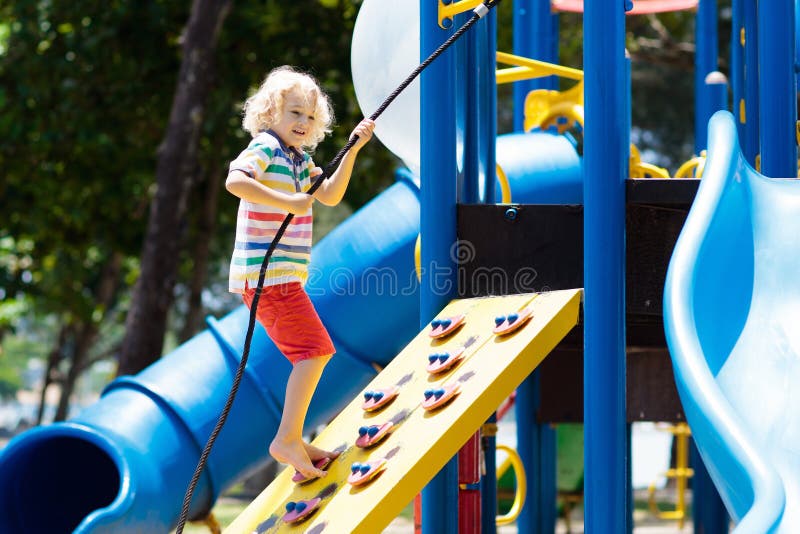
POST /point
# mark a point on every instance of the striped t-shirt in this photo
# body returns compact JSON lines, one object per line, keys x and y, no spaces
{"x":278,"y":167}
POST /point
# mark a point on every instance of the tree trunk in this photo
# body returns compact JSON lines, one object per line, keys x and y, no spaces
{"x":153,"y":294}
{"x":202,"y":245}
{"x":51,"y":371}
{"x":86,"y":333}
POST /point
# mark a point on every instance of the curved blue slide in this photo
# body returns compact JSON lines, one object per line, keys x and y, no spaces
{"x":123,"y":464}
{"x":731,"y":309}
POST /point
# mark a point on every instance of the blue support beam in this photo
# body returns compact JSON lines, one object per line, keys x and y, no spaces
{"x":438,"y":227}
{"x":737,"y":63}
{"x":750,"y":146}
{"x":536,"y":445}
{"x":489,"y":480}
{"x":778,"y":100}
{"x":605,"y":170}
{"x":535,"y":36}
{"x":705,"y":62}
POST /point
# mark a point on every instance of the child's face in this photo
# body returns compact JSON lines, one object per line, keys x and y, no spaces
{"x":295,"y":121}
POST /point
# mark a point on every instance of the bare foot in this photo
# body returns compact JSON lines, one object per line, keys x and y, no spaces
{"x":315,"y":453}
{"x":294,"y":454}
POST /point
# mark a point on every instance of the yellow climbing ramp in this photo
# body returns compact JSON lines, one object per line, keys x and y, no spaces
{"x":420,"y":441}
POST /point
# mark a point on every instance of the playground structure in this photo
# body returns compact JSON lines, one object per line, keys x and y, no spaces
{"x":142,"y":439}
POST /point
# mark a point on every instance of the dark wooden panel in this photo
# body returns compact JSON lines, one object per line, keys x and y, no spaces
{"x":651,"y":393}
{"x":526,"y":248}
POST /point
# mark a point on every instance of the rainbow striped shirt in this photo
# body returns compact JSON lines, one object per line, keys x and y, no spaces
{"x":278,"y":167}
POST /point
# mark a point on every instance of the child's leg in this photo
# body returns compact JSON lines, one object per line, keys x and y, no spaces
{"x":288,"y":446}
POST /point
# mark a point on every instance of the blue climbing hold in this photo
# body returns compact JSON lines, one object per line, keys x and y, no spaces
{"x":378,"y":395}
{"x":368,"y":395}
{"x":438,"y":393}
{"x":433,"y":357}
{"x":446,"y":323}
{"x":428,"y":393}
{"x":372,"y":431}
{"x":290,"y":506}
{"x":365,"y":469}
{"x":436,"y":323}
{"x":513,"y":317}
{"x":443,"y":357}
{"x":500,"y":319}
{"x":362,"y":431}
{"x":355,"y":467}
{"x":299,"y":507}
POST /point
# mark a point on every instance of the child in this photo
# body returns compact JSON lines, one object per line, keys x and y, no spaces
{"x":287,"y":116}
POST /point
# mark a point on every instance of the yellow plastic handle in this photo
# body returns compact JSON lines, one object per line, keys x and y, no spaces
{"x":514,"y":461}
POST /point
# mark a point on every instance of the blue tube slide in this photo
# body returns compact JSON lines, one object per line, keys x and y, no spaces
{"x":123,"y":464}
{"x":731,"y":304}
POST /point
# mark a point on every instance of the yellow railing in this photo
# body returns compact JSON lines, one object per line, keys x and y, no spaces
{"x":450,"y":10}
{"x":693,"y":168}
{"x":681,"y":473}
{"x":526,"y":68}
{"x":639,"y":169}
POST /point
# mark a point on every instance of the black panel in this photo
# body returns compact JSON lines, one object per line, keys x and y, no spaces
{"x":524,"y":248}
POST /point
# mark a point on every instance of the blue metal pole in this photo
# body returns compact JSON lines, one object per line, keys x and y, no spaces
{"x":535,"y":36}
{"x":717,"y":90}
{"x":778,"y":100}
{"x":705,"y":61}
{"x":605,"y":171}
{"x":708,"y":510}
{"x":489,"y":480}
{"x":737,"y":63}
{"x":477,"y":109}
{"x":489,"y":92}
{"x":438,"y":228}
{"x":751,"y":139}
{"x":536,"y":447}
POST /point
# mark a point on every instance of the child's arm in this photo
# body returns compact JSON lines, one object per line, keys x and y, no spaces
{"x":332,"y":190}
{"x":246,"y":188}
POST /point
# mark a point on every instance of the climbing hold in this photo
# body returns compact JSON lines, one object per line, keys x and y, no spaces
{"x":379,"y":398}
{"x":374,"y":435}
{"x":428,"y":393}
{"x":321,"y":463}
{"x":433,"y":357}
{"x":515,"y":321}
{"x":355,"y":467}
{"x":300,"y":510}
{"x":366,"y":472}
{"x":441,"y":396}
{"x":368,"y":395}
{"x":443,"y":357}
{"x":444,"y":327}
{"x":500,"y":319}
{"x":362,"y":431}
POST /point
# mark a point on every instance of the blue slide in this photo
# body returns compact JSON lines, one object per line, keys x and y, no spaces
{"x":123,"y":464}
{"x":731,"y":315}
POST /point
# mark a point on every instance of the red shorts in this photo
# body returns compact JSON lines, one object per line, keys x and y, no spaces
{"x":291,"y":321}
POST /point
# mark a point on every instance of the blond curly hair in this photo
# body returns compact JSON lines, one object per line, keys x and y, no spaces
{"x":262,"y":110}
